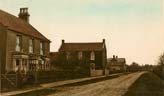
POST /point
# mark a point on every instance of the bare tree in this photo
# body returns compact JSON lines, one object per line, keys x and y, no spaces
{"x":161,"y":60}
{"x":159,"y":69}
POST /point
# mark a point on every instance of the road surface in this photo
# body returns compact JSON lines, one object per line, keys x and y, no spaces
{"x":112,"y":87}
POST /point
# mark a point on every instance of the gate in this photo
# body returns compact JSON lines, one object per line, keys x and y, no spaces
{"x":9,"y":81}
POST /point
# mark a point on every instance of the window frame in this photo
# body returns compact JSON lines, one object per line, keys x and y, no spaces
{"x":18,"y":45}
{"x":31,"y":45}
{"x":41,"y":48}
{"x":92,"y":55}
{"x":80,"y":55}
{"x":68,"y":55}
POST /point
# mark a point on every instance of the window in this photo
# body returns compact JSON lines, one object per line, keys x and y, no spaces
{"x":41,"y":48}
{"x":68,"y":55}
{"x":31,"y":46}
{"x":92,"y":55}
{"x":80,"y":55}
{"x":18,"y":43}
{"x":17,"y":62}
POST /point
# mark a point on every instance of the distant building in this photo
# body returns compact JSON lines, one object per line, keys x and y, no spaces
{"x":22,"y":47}
{"x":116,"y":64}
{"x":54,"y":56}
{"x":90,"y":54}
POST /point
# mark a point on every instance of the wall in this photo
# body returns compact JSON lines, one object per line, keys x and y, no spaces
{"x":11,"y":43}
{"x":96,"y":73}
{"x":2,"y":48}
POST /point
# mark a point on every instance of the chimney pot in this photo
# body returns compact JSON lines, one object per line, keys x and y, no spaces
{"x":23,"y":14}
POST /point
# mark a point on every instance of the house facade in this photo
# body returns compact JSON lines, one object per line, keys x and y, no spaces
{"x":92,"y":55}
{"x":116,"y":64}
{"x":22,"y":47}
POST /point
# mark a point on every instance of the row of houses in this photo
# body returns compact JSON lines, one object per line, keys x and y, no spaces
{"x":23,"y":48}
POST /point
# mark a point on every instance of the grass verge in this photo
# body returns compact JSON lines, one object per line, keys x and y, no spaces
{"x":148,"y":84}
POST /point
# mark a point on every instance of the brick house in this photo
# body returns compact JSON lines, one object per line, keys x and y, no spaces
{"x":22,"y":47}
{"x":92,"y":54}
{"x":116,"y":64}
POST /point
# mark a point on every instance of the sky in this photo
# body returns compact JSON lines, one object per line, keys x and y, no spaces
{"x":133,"y":29}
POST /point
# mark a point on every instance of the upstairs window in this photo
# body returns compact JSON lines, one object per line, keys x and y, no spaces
{"x":92,"y":56}
{"x":80,"y":55}
{"x":41,"y":48}
{"x":31,"y":46}
{"x":18,"y":43}
{"x":68,"y":54}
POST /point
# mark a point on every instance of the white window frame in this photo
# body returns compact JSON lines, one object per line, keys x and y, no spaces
{"x":18,"y":43}
{"x":92,"y":55}
{"x":80,"y":55}
{"x":31,"y":46}
{"x":41,"y":48}
{"x":68,"y":55}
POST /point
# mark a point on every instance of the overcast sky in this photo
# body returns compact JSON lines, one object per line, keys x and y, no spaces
{"x":132,"y":28}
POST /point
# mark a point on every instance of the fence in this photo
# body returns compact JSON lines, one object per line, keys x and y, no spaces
{"x":9,"y":81}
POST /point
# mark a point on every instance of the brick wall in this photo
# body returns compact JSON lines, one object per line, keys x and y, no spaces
{"x":11,"y":43}
{"x":2,"y":48}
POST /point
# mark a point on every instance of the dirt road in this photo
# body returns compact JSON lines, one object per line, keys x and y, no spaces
{"x":112,"y":87}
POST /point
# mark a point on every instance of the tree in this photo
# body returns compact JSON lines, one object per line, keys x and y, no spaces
{"x":161,"y":60}
{"x":159,"y":69}
{"x":134,"y":67}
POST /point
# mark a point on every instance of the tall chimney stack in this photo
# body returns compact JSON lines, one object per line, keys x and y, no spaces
{"x":24,"y":15}
{"x":103,"y":40}
{"x":63,"y":41}
{"x":114,"y":57}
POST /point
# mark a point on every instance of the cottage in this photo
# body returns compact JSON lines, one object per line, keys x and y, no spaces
{"x":90,"y":54}
{"x":22,"y":47}
{"x":116,"y":64}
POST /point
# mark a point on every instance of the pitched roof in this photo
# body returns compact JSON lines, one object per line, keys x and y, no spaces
{"x":96,"y":46}
{"x":121,"y":60}
{"x":16,"y":24}
{"x":118,"y":60}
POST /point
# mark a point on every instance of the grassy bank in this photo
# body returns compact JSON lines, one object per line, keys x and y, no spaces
{"x":148,"y":84}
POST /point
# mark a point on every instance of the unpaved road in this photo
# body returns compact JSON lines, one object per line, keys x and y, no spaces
{"x":111,"y":87}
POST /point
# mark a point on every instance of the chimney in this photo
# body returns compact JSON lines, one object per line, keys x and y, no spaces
{"x":104,"y":41}
{"x":63,"y":41}
{"x":24,"y":15}
{"x":114,"y":57}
